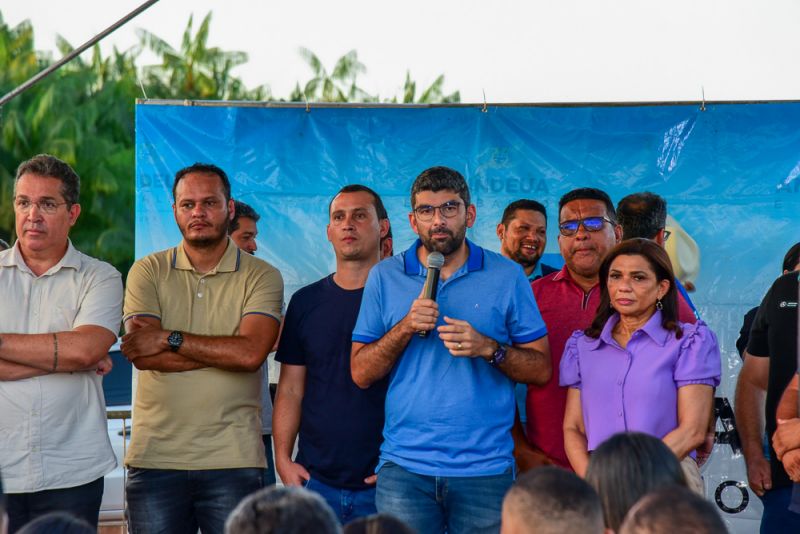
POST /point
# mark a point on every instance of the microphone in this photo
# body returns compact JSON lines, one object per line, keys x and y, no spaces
{"x":435,"y":263}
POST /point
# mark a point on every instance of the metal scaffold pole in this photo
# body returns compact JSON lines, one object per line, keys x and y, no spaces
{"x":75,"y":53}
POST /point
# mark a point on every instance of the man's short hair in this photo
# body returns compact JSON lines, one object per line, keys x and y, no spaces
{"x":51,"y":167}
{"x":673,"y":509}
{"x":440,"y":179}
{"x":282,"y":510}
{"x":642,"y":215}
{"x":522,"y":204}
{"x":554,"y":500}
{"x":242,"y":211}
{"x":589,"y":193}
{"x":792,"y":258}
{"x":380,"y":209}
{"x":203,"y":168}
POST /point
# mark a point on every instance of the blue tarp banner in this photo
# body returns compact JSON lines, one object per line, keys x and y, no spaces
{"x":729,"y":174}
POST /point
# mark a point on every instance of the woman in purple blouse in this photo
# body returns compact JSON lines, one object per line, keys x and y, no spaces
{"x":636,"y":368}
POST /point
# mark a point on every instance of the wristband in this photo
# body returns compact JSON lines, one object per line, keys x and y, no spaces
{"x":499,"y":355}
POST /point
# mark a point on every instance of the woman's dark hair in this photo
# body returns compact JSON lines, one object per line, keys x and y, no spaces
{"x":659,"y":262}
{"x":628,"y":466}
{"x":57,"y":523}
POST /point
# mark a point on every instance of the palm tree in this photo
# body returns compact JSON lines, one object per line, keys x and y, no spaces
{"x":338,"y":86}
{"x":196,"y":71}
{"x":82,"y":114}
{"x":432,"y":95}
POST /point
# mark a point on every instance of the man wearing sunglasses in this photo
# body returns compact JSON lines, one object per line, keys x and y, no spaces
{"x":645,"y":215}
{"x":446,"y":460}
{"x":568,"y":300}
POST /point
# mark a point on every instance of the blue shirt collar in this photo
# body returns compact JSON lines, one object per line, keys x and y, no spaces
{"x":414,"y":267}
{"x":537,"y":271}
{"x":652,"y":328}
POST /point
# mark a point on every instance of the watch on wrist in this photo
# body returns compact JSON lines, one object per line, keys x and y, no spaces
{"x":175,"y":340}
{"x":499,"y":355}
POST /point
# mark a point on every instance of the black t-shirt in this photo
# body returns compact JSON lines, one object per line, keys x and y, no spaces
{"x":774,"y":335}
{"x":744,"y":332}
{"x":341,"y":424}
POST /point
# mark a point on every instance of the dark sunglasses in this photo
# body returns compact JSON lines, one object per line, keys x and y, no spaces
{"x":591,"y":224}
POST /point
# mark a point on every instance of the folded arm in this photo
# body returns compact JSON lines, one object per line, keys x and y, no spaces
{"x":145,"y":340}
{"x":75,"y":350}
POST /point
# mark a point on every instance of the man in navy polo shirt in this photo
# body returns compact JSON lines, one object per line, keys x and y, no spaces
{"x":446,"y":460}
{"x":339,"y":424}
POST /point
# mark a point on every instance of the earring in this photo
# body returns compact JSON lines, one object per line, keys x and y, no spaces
{"x":659,"y":305}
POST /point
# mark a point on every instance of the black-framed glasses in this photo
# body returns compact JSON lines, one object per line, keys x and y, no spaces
{"x":591,"y":224}
{"x":667,"y":233}
{"x":448,"y":210}
{"x":24,"y":205}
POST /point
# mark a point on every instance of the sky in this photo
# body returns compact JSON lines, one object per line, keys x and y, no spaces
{"x":511,"y":51}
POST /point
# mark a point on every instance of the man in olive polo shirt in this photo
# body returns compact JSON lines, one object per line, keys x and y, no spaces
{"x":200,"y":319}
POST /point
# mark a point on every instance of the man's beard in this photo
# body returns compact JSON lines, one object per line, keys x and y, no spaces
{"x":524,"y":260}
{"x":209,"y":241}
{"x":449,"y":245}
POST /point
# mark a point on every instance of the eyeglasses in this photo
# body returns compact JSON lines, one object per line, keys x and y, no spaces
{"x":448,"y":210}
{"x":667,"y":233}
{"x":591,"y":224}
{"x":23,"y":205}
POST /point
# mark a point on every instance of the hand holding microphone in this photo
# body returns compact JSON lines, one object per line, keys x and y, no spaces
{"x":424,"y":311}
{"x":435,"y":263}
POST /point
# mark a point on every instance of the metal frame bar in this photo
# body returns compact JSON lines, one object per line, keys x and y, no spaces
{"x":478,"y":106}
{"x":72,"y":55}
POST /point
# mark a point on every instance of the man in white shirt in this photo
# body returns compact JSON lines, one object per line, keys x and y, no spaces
{"x":61,"y":314}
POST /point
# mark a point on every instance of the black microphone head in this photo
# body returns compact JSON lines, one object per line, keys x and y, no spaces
{"x":435,"y":260}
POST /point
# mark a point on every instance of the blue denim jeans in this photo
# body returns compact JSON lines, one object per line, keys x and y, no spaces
{"x":456,"y":505}
{"x":346,"y":504}
{"x":777,"y":518}
{"x":171,"y":502}
{"x":82,"y":501}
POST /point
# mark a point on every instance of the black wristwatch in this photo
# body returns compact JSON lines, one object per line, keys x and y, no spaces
{"x":175,"y":341}
{"x":499,"y":355}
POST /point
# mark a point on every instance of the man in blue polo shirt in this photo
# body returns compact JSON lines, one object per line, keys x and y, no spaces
{"x":446,"y":460}
{"x":339,"y":424}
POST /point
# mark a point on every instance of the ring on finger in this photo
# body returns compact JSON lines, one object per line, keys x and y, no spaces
{"x":459,"y":345}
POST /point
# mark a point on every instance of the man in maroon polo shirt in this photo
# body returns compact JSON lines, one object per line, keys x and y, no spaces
{"x":568,"y":300}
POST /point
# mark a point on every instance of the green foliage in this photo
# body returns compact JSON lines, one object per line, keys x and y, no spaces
{"x":84,"y":114}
